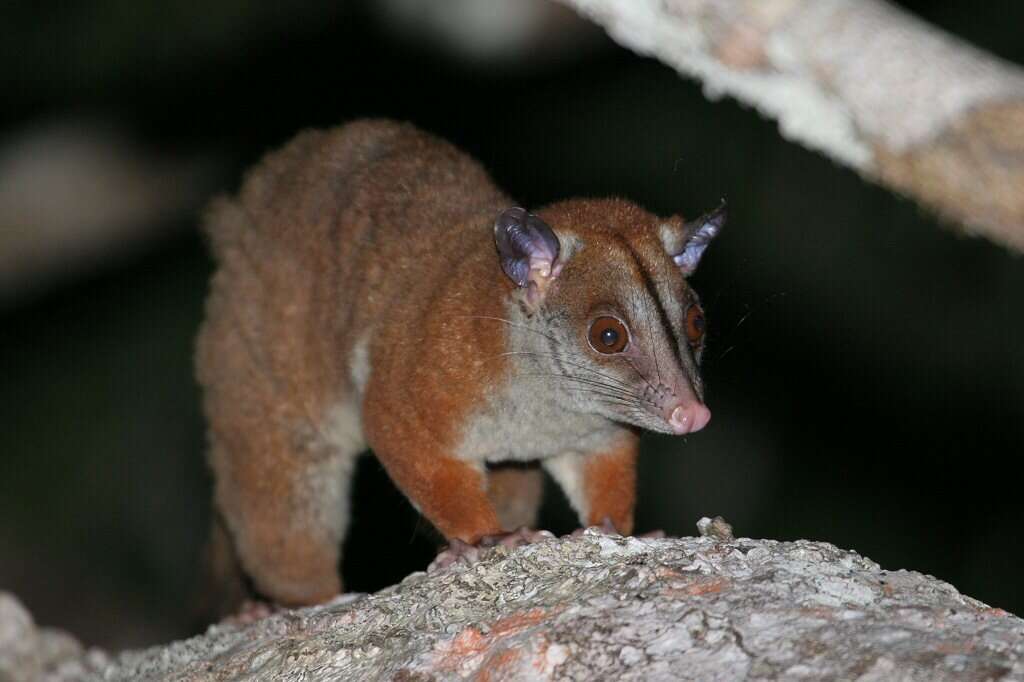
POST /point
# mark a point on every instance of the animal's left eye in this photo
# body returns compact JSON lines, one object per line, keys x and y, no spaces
{"x":695,"y":325}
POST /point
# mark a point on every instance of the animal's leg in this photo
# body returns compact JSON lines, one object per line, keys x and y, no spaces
{"x":600,"y":486}
{"x":515,"y":491}
{"x":224,"y":588}
{"x":450,"y":492}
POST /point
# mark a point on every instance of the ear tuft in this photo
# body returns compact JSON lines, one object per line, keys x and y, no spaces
{"x":527,"y":248}
{"x":697,"y":234}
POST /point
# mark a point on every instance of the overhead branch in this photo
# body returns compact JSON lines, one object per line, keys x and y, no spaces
{"x":871,"y":86}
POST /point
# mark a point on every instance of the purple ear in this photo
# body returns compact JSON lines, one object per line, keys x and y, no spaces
{"x":697,"y":235}
{"x":527,"y":248}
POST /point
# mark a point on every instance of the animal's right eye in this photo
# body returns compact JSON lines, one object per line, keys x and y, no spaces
{"x":695,"y":325}
{"x":608,"y":335}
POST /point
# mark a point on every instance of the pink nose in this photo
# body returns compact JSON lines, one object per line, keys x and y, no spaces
{"x":689,"y":418}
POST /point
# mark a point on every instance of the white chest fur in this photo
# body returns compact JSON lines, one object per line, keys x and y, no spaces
{"x":521,"y":423}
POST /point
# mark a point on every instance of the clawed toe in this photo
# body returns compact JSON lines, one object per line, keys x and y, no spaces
{"x":608,"y":528}
{"x":251,"y":611}
{"x":459,"y":551}
{"x":517,"y":538}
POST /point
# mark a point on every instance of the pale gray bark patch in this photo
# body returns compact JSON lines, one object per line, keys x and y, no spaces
{"x":862,"y":81}
{"x":903,"y":80}
{"x":29,"y":653}
{"x":606,"y":607}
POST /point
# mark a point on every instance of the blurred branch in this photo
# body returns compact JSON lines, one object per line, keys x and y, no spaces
{"x":488,"y":32}
{"x":73,"y":194}
{"x":905,"y":104}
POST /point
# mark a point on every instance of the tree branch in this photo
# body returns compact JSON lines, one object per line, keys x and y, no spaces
{"x":905,"y":104}
{"x":594,"y":607}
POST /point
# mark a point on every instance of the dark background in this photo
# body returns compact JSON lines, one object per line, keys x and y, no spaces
{"x":865,"y":370}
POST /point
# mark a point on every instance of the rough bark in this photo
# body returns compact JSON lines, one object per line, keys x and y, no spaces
{"x":29,"y":653}
{"x":593,"y":607}
{"x":862,"y":81}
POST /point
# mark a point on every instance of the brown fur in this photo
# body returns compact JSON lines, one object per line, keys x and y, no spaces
{"x":375,"y":226}
{"x":609,"y":482}
{"x":515,"y":493}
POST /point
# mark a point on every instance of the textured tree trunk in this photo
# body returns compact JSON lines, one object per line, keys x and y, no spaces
{"x":862,"y":81}
{"x":590,"y":607}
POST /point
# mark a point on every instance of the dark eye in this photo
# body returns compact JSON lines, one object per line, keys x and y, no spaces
{"x":695,"y":325}
{"x":608,"y":335}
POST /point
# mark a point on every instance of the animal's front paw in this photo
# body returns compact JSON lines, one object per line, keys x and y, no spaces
{"x":654,"y":534}
{"x":608,"y":528}
{"x":459,"y":551}
{"x":251,"y":611}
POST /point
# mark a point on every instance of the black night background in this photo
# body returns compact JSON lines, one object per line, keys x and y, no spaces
{"x":865,"y":368}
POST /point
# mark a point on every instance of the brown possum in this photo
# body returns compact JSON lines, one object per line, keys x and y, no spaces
{"x":376,"y":290}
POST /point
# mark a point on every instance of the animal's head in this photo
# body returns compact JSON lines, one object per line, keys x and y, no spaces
{"x":604,"y":313}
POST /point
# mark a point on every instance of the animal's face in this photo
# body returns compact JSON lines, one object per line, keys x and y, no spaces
{"x":614,"y":328}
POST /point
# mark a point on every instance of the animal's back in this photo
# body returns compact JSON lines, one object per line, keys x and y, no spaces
{"x":318,"y":245}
